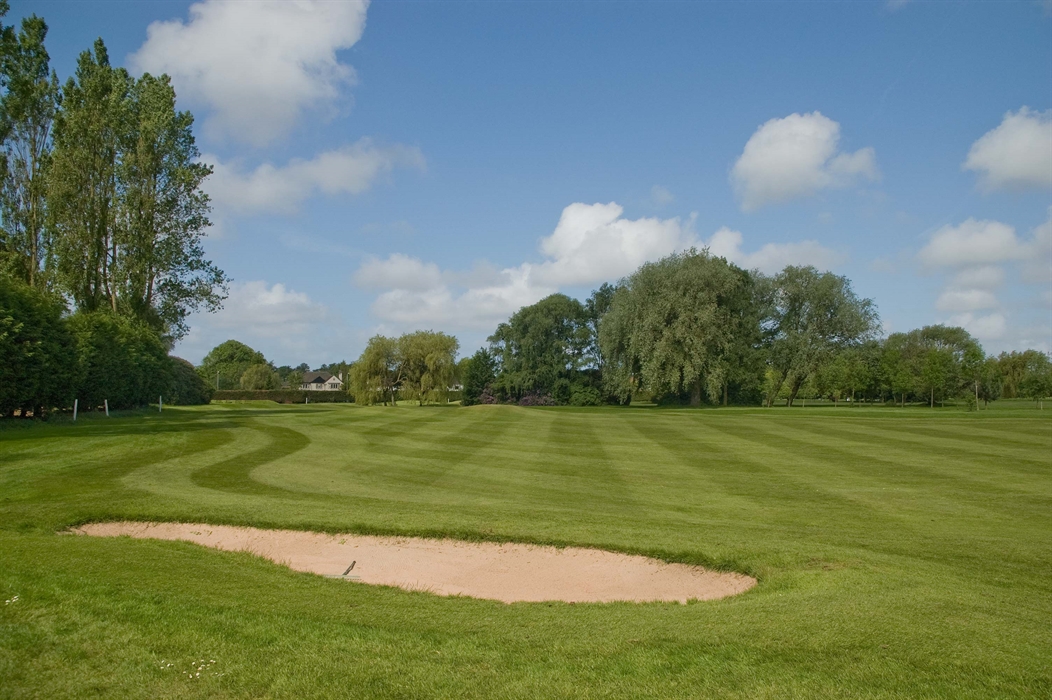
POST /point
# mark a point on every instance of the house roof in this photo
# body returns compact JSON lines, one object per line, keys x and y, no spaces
{"x":318,"y":377}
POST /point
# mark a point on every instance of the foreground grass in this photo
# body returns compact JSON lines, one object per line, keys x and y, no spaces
{"x":901,"y":552}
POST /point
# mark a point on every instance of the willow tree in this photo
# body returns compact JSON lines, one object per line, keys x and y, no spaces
{"x":428,"y":365}
{"x":680,"y":325}
{"x":376,"y":375}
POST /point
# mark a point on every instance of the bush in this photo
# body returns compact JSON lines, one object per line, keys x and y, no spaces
{"x":585,"y":396}
{"x":119,"y":360}
{"x":536,"y":400}
{"x":283,"y":396}
{"x":187,"y":389}
{"x":38,"y":365}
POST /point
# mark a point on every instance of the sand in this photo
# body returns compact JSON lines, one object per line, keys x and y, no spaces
{"x":511,"y":573}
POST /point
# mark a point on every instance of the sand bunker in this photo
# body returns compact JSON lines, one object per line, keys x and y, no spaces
{"x":510,"y":573}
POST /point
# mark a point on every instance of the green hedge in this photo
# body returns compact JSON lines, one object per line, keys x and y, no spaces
{"x":283,"y":396}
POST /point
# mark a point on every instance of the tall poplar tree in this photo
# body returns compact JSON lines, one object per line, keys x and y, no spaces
{"x":126,"y":206}
{"x":27,"y":113}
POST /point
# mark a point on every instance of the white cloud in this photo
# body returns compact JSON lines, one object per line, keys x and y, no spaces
{"x":281,"y":189}
{"x":796,"y":157}
{"x":1037,"y":267}
{"x":591,"y":243}
{"x":772,"y":257}
{"x":956,"y":300}
{"x":256,"y":65}
{"x":286,"y":325}
{"x":971,"y":243}
{"x":398,"y":272}
{"x":980,"y":277}
{"x":1015,"y":155}
{"x":989,"y":327}
{"x":660,"y":196}
{"x":274,"y":311}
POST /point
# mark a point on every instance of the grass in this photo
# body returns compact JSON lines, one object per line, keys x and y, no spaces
{"x":901,"y":553}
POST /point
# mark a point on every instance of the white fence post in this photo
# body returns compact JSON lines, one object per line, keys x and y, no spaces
{"x":75,"y":402}
{"x":106,"y":403}
{"x":160,"y":403}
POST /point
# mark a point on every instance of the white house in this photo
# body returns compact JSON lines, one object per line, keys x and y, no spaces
{"x":321,"y":381}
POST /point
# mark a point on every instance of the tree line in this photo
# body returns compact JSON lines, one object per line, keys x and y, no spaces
{"x":102,"y":218}
{"x":693,"y":328}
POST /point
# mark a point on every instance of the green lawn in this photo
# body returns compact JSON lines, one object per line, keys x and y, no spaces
{"x":901,"y":552}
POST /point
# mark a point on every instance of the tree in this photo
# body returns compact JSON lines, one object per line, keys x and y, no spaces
{"x":595,"y":307}
{"x":539,"y":346}
{"x":812,"y":315}
{"x":478,"y":374}
{"x":125,"y":202}
{"x":1013,"y":367}
{"x":990,"y":380}
{"x":161,"y":274}
{"x":1037,"y":379}
{"x":428,"y":365}
{"x":376,"y":375}
{"x":83,"y":180}
{"x":27,"y":112}
{"x":260,"y":377}
{"x":223,"y":366}
{"x":679,"y":325}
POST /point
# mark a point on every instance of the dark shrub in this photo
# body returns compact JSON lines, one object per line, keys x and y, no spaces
{"x":37,"y":354}
{"x":120,"y":360}
{"x":188,"y":389}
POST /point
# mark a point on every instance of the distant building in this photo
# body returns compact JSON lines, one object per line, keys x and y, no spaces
{"x":321,"y":381}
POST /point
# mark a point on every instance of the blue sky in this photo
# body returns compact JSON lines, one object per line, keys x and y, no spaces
{"x":404,"y":165}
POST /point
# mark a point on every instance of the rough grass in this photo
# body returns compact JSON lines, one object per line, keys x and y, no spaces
{"x":901,"y":553}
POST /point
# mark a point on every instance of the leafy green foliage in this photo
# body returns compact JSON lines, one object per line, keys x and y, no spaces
{"x":417,"y":366}
{"x":259,"y":377}
{"x":121,"y":361}
{"x":27,"y":112}
{"x":187,"y":388}
{"x":378,"y":372}
{"x":226,"y":362}
{"x":813,"y":315}
{"x":38,"y":365}
{"x":541,"y":345}
{"x":681,"y":325}
{"x":478,"y":373}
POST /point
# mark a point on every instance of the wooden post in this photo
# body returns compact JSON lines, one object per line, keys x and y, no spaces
{"x":160,"y":403}
{"x":106,"y":403}
{"x":75,"y":402}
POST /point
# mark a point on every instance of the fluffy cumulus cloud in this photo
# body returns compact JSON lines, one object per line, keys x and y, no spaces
{"x":797,"y":156}
{"x":272,"y":318}
{"x":1015,"y":155}
{"x":972,"y":243}
{"x":772,"y":257}
{"x":281,"y":189}
{"x":976,"y":255}
{"x":256,"y":66}
{"x":591,"y":244}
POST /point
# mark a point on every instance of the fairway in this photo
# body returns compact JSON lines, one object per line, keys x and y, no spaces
{"x":900,"y":552}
